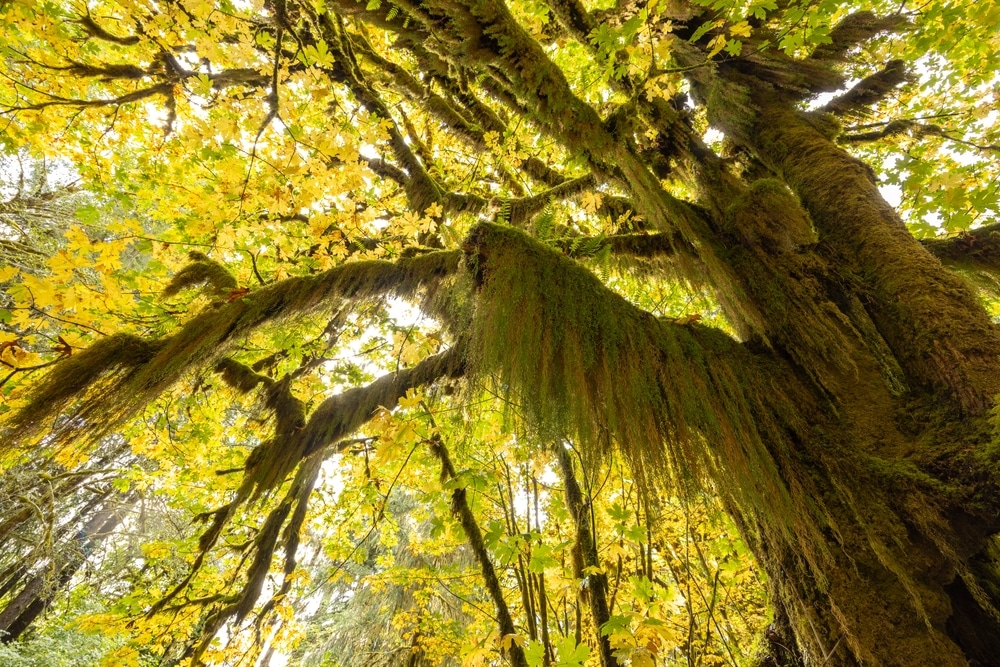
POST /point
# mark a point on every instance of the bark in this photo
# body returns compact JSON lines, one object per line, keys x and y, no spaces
{"x":463,"y":512}
{"x":931,"y":320}
{"x":874,"y":365}
{"x":867,"y":604}
{"x":595,"y":581}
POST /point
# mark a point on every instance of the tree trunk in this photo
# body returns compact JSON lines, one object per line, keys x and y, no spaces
{"x":587,"y":565}
{"x":894,"y":456}
{"x":35,"y":597}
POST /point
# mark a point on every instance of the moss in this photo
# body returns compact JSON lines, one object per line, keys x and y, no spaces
{"x":818,"y":492}
{"x":202,"y":271}
{"x":854,"y":29}
{"x":583,"y":363}
{"x":788,"y":284}
{"x":932,"y":322}
{"x":120,"y":375}
{"x":93,"y":372}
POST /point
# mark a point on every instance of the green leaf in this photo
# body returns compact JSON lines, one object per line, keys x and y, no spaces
{"x":534,"y":653}
{"x":570,"y":654}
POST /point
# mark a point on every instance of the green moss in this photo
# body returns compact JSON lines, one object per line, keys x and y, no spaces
{"x":93,"y":373}
{"x":202,"y":271}
{"x":817,"y":491}
{"x":580,"y":362}
{"x":120,"y":375}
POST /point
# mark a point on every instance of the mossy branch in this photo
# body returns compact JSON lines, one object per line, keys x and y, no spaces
{"x":110,"y":360}
{"x":297,"y":437}
{"x":644,"y":246}
{"x":121,"y":374}
{"x":975,"y":254}
{"x":303,"y":445}
{"x":202,"y":270}
{"x":585,"y":364}
{"x":975,"y":249}
{"x":853,"y":30}
{"x":522,"y":210}
{"x":93,"y":29}
{"x":421,"y":189}
{"x":575,"y":18}
{"x":295,"y":503}
{"x":340,"y":415}
{"x":913,"y":128}
{"x":596,"y":582}
{"x":869,"y":91}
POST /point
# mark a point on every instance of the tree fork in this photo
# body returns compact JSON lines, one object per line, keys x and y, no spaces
{"x":934,"y":325}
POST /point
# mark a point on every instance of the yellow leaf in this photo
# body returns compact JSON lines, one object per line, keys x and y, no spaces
{"x":591,"y":201}
{"x":156,"y":550}
{"x":642,"y":658}
{"x":717,"y":44}
{"x":741,"y":29}
{"x":411,"y":400}
{"x":435,"y":210}
{"x":77,"y":238}
{"x":43,"y":292}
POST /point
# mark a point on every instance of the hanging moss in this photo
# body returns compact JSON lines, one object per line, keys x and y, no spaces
{"x":581,"y":362}
{"x":94,"y":372}
{"x":815,"y":488}
{"x":202,"y":271}
{"x":110,"y":398}
{"x":787,"y":285}
{"x":855,"y":29}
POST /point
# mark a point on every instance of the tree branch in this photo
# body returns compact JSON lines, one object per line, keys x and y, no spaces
{"x":646,"y":246}
{"x":975,"y":249}
{"x":463,"y":512}
{"x":916,"y":129}
{"x":869,"y":90}
{"x":853,"y":30}
{"x":587,"y":565}
{"x":147,"y":368}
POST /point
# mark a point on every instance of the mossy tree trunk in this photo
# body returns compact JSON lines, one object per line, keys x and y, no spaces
{"x":905,"y":416}
{"x":847,"y":429}
{"x":902,"y":410}
{"x":891,"y":362}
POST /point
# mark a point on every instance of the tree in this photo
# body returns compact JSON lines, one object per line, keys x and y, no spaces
{"x":508,"y":167}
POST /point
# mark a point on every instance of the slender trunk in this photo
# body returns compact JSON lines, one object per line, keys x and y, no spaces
{"x":595,"y":580}
{"x":462,"y":511}
{"x":33,"y":599}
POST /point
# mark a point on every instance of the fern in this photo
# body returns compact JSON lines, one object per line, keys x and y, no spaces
{"x":545,"y":224}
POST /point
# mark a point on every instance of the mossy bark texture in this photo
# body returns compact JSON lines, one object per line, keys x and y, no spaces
{"x":860,"y":394}
{"x":847,"y":424}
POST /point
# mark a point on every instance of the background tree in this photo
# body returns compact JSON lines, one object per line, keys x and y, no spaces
{"x":539,"y":180}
